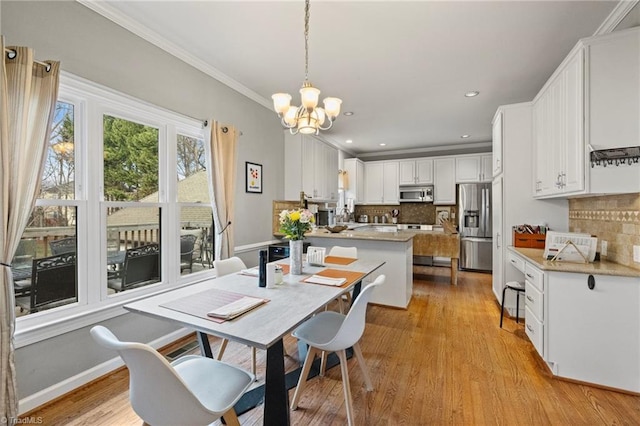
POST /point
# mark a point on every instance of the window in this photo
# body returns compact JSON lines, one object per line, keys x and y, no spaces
{"x":196,"y":217}
{"x":110,"y":202}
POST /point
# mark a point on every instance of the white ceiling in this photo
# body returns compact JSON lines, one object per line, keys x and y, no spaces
{"x":401,"y":67}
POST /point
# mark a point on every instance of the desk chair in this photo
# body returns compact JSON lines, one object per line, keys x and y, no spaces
{"x":351,"y":252}
{"x":222,"y":268}
{"x":335,"y":332}
{"x":191,"y":390}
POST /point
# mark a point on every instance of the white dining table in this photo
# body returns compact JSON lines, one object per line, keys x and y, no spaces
{"x":289,"y":305}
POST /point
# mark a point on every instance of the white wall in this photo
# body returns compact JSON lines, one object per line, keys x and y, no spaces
{"x":94,"y":48}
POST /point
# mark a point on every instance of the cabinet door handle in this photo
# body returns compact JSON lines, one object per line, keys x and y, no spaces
{"x":513,"y":261}
{"x":530,"y":276}
{"x":498,"y":240}
{"x":529,"y":328}
{"x":530,"y":299}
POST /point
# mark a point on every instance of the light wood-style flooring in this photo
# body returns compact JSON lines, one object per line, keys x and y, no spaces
{"x":443,"y":361}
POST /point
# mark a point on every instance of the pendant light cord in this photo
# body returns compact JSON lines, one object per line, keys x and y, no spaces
{"x":306,"y":40}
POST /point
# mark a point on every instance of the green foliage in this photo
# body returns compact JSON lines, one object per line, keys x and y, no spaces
{"x":130,"y":160}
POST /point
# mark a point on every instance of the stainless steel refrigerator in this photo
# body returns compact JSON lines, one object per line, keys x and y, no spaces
{"x":474,"y":216}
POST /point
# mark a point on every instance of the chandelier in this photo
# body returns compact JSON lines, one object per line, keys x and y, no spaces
{"x":309,"y":117}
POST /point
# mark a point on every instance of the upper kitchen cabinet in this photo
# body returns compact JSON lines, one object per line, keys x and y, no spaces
{"x":558,"y":130}
{"x":444,"y":186}
{"x":310,"y":166}
{"x":613,"y":108}
{"x":474,"y":168}
{"x":416,"y":172}
{"x":355,"y":180}
{"x":496,"y":132}
{"x":381,"y":184}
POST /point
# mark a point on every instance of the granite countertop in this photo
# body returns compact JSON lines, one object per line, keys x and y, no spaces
{"x":601,"y":267}
{"x":348,"y":234}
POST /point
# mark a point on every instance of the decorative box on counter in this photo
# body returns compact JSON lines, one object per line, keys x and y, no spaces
{"x":528,"y":236}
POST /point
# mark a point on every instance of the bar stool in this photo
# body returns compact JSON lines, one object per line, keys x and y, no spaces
{"x":518,"y":287}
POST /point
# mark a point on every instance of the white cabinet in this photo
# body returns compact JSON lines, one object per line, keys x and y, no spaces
{"x":594,"y":334}
{"x":613,"y":91}
{"x":416,"y":172}
{"x":310,"y":166}
{"x":498,"y":238}
{"x":355,"y":180}
{"x":474,"y":168}
{"x":559,"y":130}
{"x":381,"y":184}
{"x":444,"y":181}
{"x":518,"y":206}
{"x":496,"y":144}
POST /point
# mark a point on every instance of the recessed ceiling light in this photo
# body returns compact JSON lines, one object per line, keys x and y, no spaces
{"x":472,"y":94}
{"x":383,"y":144}
{"x":348,"y":113}
{"x":465,"y":136}
{"x":348,"y":141}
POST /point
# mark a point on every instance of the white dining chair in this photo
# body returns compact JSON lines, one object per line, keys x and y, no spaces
{"x":192,"y":390}
{"x":331,"y":331}
{"x":350,"y":252}
{"x":225,"y":267}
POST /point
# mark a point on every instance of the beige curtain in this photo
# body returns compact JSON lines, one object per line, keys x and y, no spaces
{"x":28,"y":93}
{"x":222,"y":142}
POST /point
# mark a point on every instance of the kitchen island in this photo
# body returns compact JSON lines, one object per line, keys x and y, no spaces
{"x":393,"y":248}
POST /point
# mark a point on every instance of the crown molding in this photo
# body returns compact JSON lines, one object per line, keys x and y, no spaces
{"x":439,"y":150}
{"x":114,"y":15}
{"x":616,"y":16}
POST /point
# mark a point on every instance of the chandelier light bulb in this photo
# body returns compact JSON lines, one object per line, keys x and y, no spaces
{"x":281,"y":102}
{"x":332,"y":107}
{"x":309,"y":96}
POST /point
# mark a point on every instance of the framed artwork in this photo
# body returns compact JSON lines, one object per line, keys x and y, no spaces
{"x":442,"y":213}
{"x":253,"y":176}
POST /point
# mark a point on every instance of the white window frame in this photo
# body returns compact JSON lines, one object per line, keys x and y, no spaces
{"x":90,"y":102}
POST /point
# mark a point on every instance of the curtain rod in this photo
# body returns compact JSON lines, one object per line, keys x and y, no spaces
{"x":225,"y":129}
{"x":12,"y":54}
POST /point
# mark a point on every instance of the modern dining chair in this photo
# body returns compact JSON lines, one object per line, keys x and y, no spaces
{"x":192,"y":390}
{"x":350,"y":252}
{"x":225,"y":267}
{"x":335,"y":332}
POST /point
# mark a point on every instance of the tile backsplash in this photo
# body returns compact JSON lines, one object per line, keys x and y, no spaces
{"x":613,"y":218}
{"x":420,"y":213}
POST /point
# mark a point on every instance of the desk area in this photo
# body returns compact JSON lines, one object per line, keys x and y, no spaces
{"x":290,"y":304}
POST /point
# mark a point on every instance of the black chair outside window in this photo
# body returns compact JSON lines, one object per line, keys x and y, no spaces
{"x":141,"y":267}
{"x":187,"y":247}
{"x":64,"y":245}
{"x":53,"y":283}
{"x":207,"y":248}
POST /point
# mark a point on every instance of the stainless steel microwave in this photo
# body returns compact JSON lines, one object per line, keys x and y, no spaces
{"x":423,"y":194}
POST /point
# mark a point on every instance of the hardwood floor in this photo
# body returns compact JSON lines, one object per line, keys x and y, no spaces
{"x":443,"y":361}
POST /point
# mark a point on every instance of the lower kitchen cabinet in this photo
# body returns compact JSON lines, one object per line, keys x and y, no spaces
{"x":594,"y":334}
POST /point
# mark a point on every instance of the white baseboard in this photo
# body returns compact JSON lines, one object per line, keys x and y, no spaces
{"x":31,"y":402}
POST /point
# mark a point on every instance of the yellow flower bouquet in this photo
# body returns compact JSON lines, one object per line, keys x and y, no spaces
{"x":294,"y":223}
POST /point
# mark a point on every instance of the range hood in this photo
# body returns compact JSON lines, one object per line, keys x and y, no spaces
{"x":615,"y":156}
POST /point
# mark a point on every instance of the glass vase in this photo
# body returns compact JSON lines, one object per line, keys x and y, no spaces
{"x":295,"y":256}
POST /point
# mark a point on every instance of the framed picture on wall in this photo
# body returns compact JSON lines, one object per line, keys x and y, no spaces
{"x":253,"y":175}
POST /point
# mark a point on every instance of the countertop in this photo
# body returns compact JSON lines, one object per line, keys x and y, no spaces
{"x":601,"y":267}
{"x":348,"y":234}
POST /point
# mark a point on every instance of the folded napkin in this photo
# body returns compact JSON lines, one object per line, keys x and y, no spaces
{"x":236,"y":308}
{"x":252,"y":272}
{"x":319,"y":279}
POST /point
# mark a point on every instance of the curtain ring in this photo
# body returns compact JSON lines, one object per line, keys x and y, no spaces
{"x":225,"y":129}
